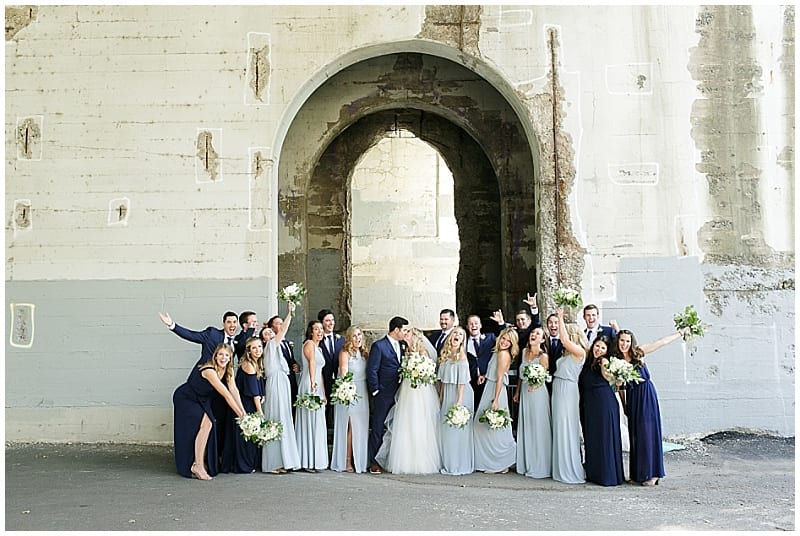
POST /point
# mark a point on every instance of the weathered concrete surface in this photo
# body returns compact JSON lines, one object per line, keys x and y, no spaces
{"x":725,"y":482}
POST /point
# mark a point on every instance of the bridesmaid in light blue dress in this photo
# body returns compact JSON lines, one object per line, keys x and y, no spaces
{"x":567,"y":463}
{"x":495,"y":450}
{"x":280,"y":455}
{"x":534,"y":436}
{"x":458,"y":456}
{"x":351,"y":423}
{"x":310,"y":427}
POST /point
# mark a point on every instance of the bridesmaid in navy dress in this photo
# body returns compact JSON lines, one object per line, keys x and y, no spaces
{"x":194,"y":423}
{"x":601,"y":437}
{"x":250,"y":382}
{"x":641,"y":405}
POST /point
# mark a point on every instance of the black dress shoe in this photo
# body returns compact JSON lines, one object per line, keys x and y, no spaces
{"x":375,"y":469}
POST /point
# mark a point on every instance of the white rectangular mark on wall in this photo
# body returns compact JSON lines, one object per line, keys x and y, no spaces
{"x":259,"y":69}
{"x":22,"y":319}
{"x":23,"y":218}
{"x":510,"y":18}
{"x":118,"y":211}
{"x":260,"y":187}
{"x":208,"y":163}
{"x":29,"y":137}
{"x":630,"y":79}
{"x":636,"y":173}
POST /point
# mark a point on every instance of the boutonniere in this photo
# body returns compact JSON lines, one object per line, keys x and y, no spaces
{"x":291,"y":343}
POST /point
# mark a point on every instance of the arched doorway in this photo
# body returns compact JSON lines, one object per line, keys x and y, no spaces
{"x":469,"y":122}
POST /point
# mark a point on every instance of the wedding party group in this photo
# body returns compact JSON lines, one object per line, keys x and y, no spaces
{"x":545,"y":401}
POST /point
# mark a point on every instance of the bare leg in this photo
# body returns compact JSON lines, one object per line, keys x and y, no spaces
{"x":200,"y":442}
{"x":349,"y":459}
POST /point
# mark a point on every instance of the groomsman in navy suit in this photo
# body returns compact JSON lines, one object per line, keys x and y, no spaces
{"x":287,"y":351}
{"x":248,"y":322}
{"x":591,"y":315}
{"x":555,"y":348}
{"x":447,"y":320}
{"x":331,"y":344}
{"x":480,"y":347}
{"x":210,"y":338}
{"x":383,"y":379}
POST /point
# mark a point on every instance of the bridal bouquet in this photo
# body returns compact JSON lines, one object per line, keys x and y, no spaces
{"x":256,"y":430}
{"x":535,"y":374}
{"x":293,"y":293}
{"x":622,"y":371}
{"x":496,"y":418}
{"x":309,"y":401}
{"x":689,"y":319}
{"x":344,"y":390}
{"x":567,"y":297}
{"x":418,"y":369}
{"x":457,"y":416}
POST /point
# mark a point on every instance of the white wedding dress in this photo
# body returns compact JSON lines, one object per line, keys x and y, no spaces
{"x":411,"y":443}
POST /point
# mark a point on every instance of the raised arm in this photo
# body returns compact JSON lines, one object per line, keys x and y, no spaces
{"x":651,"y":347}
{"x":285,"y":327}
{"x":572,"y":349}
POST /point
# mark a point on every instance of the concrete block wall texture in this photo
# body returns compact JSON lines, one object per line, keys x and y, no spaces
{"x":143,"y":146}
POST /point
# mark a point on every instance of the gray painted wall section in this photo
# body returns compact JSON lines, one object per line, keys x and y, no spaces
{"x":102,"y":366}
{"x":741,"y":374}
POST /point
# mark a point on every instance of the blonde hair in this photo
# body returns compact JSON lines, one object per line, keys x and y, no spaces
{"x":513,"y":338}
{"x":577,"y":336}
{"x":416,"y":344}
{"x":228,"y":368}
{"x":447,"y":348}
{"x":348,"y":342}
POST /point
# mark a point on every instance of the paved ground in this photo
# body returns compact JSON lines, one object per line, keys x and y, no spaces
{"x":728,"y":481}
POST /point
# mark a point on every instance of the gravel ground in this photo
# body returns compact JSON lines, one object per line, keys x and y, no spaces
{"x":726,"y":481}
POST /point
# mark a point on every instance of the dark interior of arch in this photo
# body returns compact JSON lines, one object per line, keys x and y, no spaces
{"x":477,"y":201}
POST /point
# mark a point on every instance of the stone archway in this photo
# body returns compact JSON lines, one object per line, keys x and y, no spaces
{"x":473,"y":127}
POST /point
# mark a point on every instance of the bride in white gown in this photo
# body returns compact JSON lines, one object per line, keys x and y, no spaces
{"x":411,"y":441}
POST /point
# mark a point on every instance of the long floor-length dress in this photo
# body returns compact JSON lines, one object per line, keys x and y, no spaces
{"x":246,"y":454}
{"x":191,"y":401}
{"x":495,"y":450}
{"x":644,"y":427}
{"x":411,"y":442}
{"x":567,"y":466}
{"x":357,"y":415}
{"x":280,"y":453}
{"x":601,"y":436}
{"x":310,"y":426}
{"x":458,"y":454}
{"x":534,"y":434}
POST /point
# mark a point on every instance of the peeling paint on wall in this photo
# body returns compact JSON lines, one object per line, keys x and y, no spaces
{"x":727,"y":132}
{"x":18,"y":18}
{"x":22,"y":324}
{"x":118,"y":211}
{"x":259,"y":68}
{"x":454,"y":25}
{"x":22,"y":219}
{"x":208,"y":165}
{"x":260,"y":188}
{"x":29,"y":137}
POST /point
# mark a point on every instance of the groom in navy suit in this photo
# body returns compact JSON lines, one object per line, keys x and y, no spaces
{"x":383,"y":379}
{"x":591,"y":315}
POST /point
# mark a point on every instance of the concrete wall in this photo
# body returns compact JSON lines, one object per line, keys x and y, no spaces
{"x":142,"y":156}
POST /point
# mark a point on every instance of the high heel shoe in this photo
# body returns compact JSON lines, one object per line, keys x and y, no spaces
{"x":198,"y":475}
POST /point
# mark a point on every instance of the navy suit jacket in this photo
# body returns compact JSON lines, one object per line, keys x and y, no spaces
{"x":605,"y":331}
{"x":554,"y":352}
{"x":383,"y":367}
{"x":434,"y":337}
{"x":478,"y":363}
{"x":210,"y":338}
{"x":331,"y":368}
{"x":240,"y":340}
